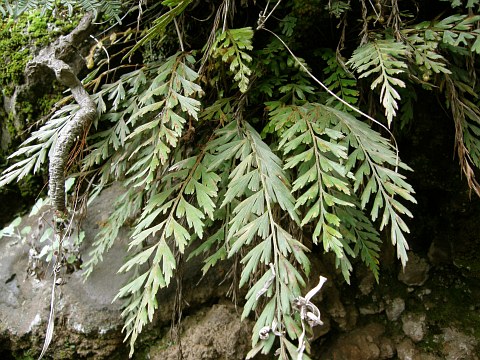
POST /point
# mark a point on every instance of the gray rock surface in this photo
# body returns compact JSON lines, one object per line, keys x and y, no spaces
{"x":87,"y":322}
{"x":88,"y":325}
{"x":414,"y":326}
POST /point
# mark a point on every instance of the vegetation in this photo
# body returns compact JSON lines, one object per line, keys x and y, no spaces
{"x":260,"y":138}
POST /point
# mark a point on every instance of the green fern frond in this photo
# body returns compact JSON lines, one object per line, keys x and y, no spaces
{"x":126,"y":206}
{"x":326,"y":197}
{"x":182,"y":201}
{"x":342,"y":83}
{"x":456,"y":32}
{"x":231,"y":46}
{"x":159,"y":117}
{"x":108,"y":8}
{"x":177,"y":7}
{"x":257,"y":186}
{"x":469,"y":3}
{"x":384,"y":59}
{"x":35,"y":149}
{"x":375,"y":164}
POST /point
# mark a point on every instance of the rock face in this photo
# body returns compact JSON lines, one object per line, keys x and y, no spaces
{"x":212,"y":334}
{"x":87,"y":322}
{"x":365,"y":343}
{"x":414,"y":326}
{"x":88,"y":325}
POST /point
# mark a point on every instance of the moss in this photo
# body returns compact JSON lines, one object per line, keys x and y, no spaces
{"x":452,"y":296}
{"x":19,"y":36}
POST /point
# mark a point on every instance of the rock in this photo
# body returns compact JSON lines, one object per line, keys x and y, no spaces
{"x":406,"y":350}
{"x":387,"y":349}
{"x":415,"y":272}
{"x":395,"y":308}
{"x":367,"y":283}
{"x":216,"y":334}
{"x":458,"y":346}
{"x":335,"y":307}
{"x":365,"y":343}
{"x":87,"y":323}
{"x":374,"y":307}
{"x":414,"y":326}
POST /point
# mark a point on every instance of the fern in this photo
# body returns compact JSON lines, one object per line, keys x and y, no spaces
{"x":181,"y":217}
{"x":159,"y":115}
{"x":327,"y":198}
{"x":257,"y":186}
{"x":177,"y":7}
{"x":231,"y":46}
{"x":108,"y":8}
{"x":37,"y":146}
{"x":469,"y":3}
{"x":383,"y":58}
{"x":342,"y":83}
{"x":455,"y":31}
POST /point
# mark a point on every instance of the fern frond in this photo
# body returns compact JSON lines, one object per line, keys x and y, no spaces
{"x":325,"y":197}
{"x":177,"y":7}
{"x":182,"y":201}
{"x":342,"y":83}
{"x":159,"y":117}
{"x":257,"y":185}
{"x":231,"y":46}
{"x":457,"y":32}
{"x":108,"y":8}
{"x":384,"y":59}
{"x":126,"y":206}
{"x":37,"y":146}
{"x":375,"y":166}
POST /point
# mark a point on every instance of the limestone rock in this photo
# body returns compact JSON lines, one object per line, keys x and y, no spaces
{"x":365,"y":343}
{"x":395,"y":308}
{"x":458,"y":346}
{"x":414,"y":326}
{"x":406,"y":350}
{"x":216,"y":334}
{"x":87,"y":324}
{"x":415,"y":272}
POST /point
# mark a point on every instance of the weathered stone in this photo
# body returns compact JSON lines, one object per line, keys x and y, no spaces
{"x":335,"y":307}
{"x":406,"y":350}
{"x":367,"y":283}
{"x":458,"y":346}
{"x":414,"y":326}
{"x":395,"y":308}
{"x":387,"y":349}
{"x":88,"y":325}
{"x":216,"y":334}
{"x":375,"y":307}
{"x":415,"y":272}
{"x":364,"y":343}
